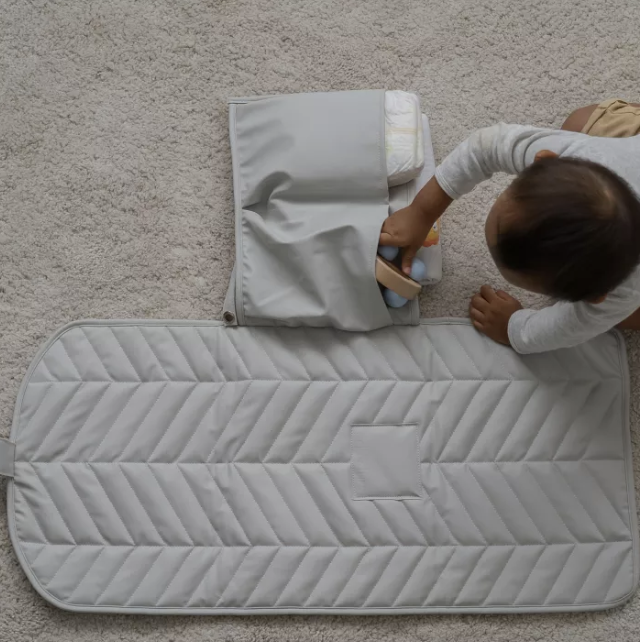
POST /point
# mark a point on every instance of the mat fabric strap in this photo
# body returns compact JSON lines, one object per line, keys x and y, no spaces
{"x":7,"y":455}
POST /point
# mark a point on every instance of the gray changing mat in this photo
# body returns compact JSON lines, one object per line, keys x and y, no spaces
{"x":184,"y":467}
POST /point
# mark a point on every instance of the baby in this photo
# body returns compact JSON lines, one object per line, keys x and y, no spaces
{"x":568,"y":226}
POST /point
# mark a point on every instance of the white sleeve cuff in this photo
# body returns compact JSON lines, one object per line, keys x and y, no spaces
{"x":515,"y":330}
{"x":445,"y":184}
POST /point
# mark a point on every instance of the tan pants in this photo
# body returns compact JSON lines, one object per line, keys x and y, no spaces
{"x":614,"y":119}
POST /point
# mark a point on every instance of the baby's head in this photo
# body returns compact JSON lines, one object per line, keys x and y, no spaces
{"x":566,"y":227}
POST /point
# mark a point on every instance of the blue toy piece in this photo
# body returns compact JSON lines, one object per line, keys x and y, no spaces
{"x":418,"y":270}
{"x":388,"y":252}
{"x":393,"y":300}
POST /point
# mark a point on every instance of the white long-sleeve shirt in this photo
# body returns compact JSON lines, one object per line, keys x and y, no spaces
{"x":511,"y":148}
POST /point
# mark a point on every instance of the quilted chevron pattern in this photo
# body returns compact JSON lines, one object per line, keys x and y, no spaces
{"x":175,"y":467}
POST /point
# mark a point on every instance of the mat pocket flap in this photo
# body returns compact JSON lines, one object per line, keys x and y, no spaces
{"x":311,"y":195}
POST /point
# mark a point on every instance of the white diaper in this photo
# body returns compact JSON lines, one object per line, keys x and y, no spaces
{"x":403,"y":137}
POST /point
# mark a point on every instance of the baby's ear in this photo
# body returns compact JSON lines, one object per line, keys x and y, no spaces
{"x":544,"y":153}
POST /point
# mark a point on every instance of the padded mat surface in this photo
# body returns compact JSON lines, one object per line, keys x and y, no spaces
{"x":184,"y":467}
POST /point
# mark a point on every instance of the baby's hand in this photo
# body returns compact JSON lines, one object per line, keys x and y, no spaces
{"x":490,"y":311}
{"x":406,"y":228}
{"x":409,"y":227}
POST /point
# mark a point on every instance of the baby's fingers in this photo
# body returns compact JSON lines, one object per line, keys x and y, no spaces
{"x":387,"y":238}
{"x":389,"y":234}
{"x":476,"y":315}
{"x":479,"y":303}
{"x":407,"y":259}
{"x":488,"y":293}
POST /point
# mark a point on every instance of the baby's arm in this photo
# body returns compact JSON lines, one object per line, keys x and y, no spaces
{"x":501,"y":148}
{"x":568,"y":324}
{"x":565,"y":324}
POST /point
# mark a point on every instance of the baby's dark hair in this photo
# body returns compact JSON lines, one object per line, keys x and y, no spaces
{"x":577,"y":229}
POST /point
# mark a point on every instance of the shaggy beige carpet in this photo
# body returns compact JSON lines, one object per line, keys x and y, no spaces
{"x":115,"y":196}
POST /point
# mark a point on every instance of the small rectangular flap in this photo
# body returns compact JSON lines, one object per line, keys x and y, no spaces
{"x":7,"y":457}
